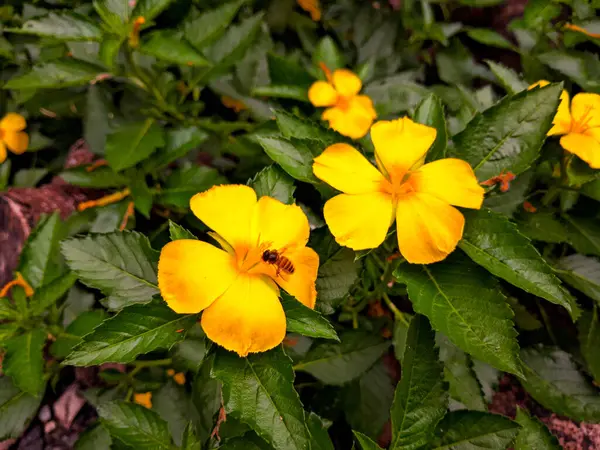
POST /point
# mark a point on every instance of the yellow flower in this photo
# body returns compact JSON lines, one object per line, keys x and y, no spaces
{"x":418,"y":196}
{"x":236,"y":287}
{"x":144,"y":399}
{"x":12,"y":135}
{"x":579,"y":125}
{"x":179,"y":377}
{"x":348,"y":113}
{"x":312,"y":7}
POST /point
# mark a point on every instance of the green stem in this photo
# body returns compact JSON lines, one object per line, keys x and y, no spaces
{"x":140,"y":365}
{"x":397,"y":313}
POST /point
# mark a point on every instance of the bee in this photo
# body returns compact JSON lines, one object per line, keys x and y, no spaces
{"x":283,"y":264}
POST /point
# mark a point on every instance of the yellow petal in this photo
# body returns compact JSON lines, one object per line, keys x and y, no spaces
{"x":247,"y":318}
{"x":347,"y":170}
{"x":352,"y":120}
{"x":540,"y":83}
{"x":346,"y":83}
{"x":144,"y":399}
{"x":584,"y":146}
{"x":2,"y":152}
{"x":322,"y":93}
{"x":359,"y":221}
{"x":13,"y":122}
{"x":562,"y":119}
{"x":400,"y":144}
{"x":585,"y":110}
{"x":428,"y":228}
{"x":228,"y":210}
{"x":451,"y":180}
{"x":278,"y":225}
{"x":16,"y":141}
{"x":192,"y":274}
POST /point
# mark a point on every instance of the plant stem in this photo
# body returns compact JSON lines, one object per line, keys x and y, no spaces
{"x":140,"y":365}
{"x":397,"y":313}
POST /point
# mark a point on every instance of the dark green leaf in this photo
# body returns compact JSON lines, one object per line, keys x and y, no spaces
{"x":508,"y":136}
{"x":135,"y":425}
{"x":168,"y":45}
{"x":282,"y":91}
{"x":183,"y":184}
{"x":318,"y":431}
{"x":328,"y":53}
{"x":339,"y":363}
{"x":205,"y":28}
{"x":365,"y":442}
{"x":82,"y":325}
{"x":55,"y":74}
{"x":395,"y":95}
{"x":399,"y":338}
{"x":114,"y":13}
{"x":50,"y":293}
{"x":495,"y":243}
{"x":190,"y":440}
{"x":523,"y":318}
{"x":284,"y":71}
{"x":274,"y":182}
{"x":431,"y":112}
{"x":293,"y":126}
{"x":259,"y":391}
{"x":308,"y":322}
{"x":17,"y":408}
{"x":132,"y":143}
{"x":141,"y":193}
{"x":8,"y":330}
{"x":508,"y":203}
{"x":463,"y":301}
{"x":574,"y":65}
{"x":583,"y":234}
{"x":508,"y":79}
{"x":421,"y":400}
{"x":98,"y":118}
{"x":175,"y":407}
{"x":474,"y":430}
{"x":178,"y":232}
{"x":294,"y":156}
{"x":24,"y":361}
{"x":581,"y":272}
{"x":149,"y":9}
{"x":121,"y":264}
{"x":249,"y":441}
{"x":489,"y":37}
{"x":191,"y":352}
{"x":134,"y":330}
{"x":4,"y":174}
{"x":102,"y":177}
{"x":96,"y":438}
{"x":589,"y":341}
{"x":543,"y":226}
{"x":533,"y":435}
{"x":539,"y":13}
{"x":29,"y":177}
{"x":179,"y":141}
{"x":64,"y":26}
{"x":206,"y":396}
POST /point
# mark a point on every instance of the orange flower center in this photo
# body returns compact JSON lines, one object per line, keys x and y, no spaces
{"x":399,"y":185}
{"x":343,"y":102}
{"x":582,"y":125}
{"x":2,"y":134}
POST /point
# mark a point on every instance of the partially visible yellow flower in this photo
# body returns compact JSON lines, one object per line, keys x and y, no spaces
{"x":12,"y":136}
{"x":418,"y":196}
{"x":311,"y":6}
{"x":577,"y":28}
{"x":347,"y":112}
{"x":178,"y":377}
{"x":236,"y":286}
{"x":579,"y":125}
{"x":144,"y":399}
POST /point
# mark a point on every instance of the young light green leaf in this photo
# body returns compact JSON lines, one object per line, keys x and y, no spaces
{"x":306,"y":321}
{"x":132,"y":143}
{"x":421,"y":400}
{"x":430,"y":112}
{"x":102,"y":177}
{"x":50,"y":293}
{"x":168,"y":45}
{"x":56,"y":74}
{"x":96,"y":438}
{"x":24,"y":361}
{"x":63,"y":26}
{"x":473,"y":430}
{"x":583,"y":234}
{"x":554,"y":381}
{"x":508,"y":79}
{"x":365,"y":442}
{"x":17,"y":408}
{"x":493,"y":242}
{"x":508,"y":136}
{"x":589,"y":341}
{"x":134,"y":330}
{"x":82,"y":325}
{"x":135,"y":425}
{"x":294,"y":156}
{"x":274,"y":182}
{"x":121,"y":264}
{"x":533,"y":435}
{"x":328,"y":53}
{"x":183,"y":184}
{"x":339,"y":363}
{"x":318,"y":432}
{"x":581,"y":272}
{"x":259,"y":391}
{"x":463,"y":301}
{"x":205,"y":28}
{"x":178,"y":232}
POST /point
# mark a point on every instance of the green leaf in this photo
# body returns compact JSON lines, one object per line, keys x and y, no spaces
{"x":29,"y":177}
{"x":421,"y":400}
{"x":102,"y":177}
{"x":63,"y":26}
{"x":178,"y":232}
{"x":328,"y":53}
{"x":489,"y":37}
{"x":399,"y":338}
{"x":149,"y":9}
{"x":533,"y":435}
{"x":191,"y":352}
{"x":168,"y":45}
{"x":183,"y":184}
{"x":24,"y":361}
{"x":308,"y":322}
{"x":581,"y":272}
{"x":96,"y":438}
{"x":121,"y":264}
{"x":395,"y":95}
{"x":190,"y":439}
{"x":8,"y":330}
{"x":523,"y":318}
{"x":543,"y":226}
{"x":554,"y":381}
{"x":495,"y":243}
{"x":56,"y":74}
{"x":4,"y":174}
{"x":50,"y":293}
{"x":508,"y":79}
{"x":209,"y":25}
{"x":589,"y":341}
{"x":318,"y":431}
{"x":115,"y":14}
{"x":365,"y":442}
{"x":17,"y":408}
{"x":508,"y":136}
{"x":259,"y":390}
{"x":431,"y":112}
{"x":175,"y":407}
{"x":508,"y":203}
{"x":140,"y":192}
{"x":282,"y":91}
{"x":132,"y":143}
{"x":464,"y":302}
{"x":249,"y":441}
{"x":82,"y":325}
{"x":339,"y":363}
{"x":98,"y":117}
{"x":40,"y":261}
{"x":206,"y":396}
{"x":573,"y":64}
{"x":133,"y":331}
{"x":293,"y":156}
{"x":285,"y":71}
{"x":179,"y":142}
{"x":583,"y":234}
{"x":474,"y":430}
{"x":539,"y":13}
{"x":293,"y":126}
{"x":135,"y":425}
{"x":274,"y":182}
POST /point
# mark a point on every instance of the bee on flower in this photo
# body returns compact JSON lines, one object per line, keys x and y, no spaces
{"x":12,"y":136}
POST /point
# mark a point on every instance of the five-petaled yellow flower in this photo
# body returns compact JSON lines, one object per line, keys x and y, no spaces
{"x":236,"y":286}
{"x":347,"y":112}
{"x":579,"y":125}
{"x":417,"y":195}
{"x":12,"y":135}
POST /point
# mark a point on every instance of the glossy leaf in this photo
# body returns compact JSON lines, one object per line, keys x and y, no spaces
{"x":207,"y":27}
{"x":305,"y":321}
{"x":365,"y":442}
{"x":463,"y":301}
{"x":293,"y":126}
{"x":495,"y":243}
{"x":544,"y":227}
{"x":293,"y":156}
{"x":132,"y":143}
{"x":533,"y":435}
{"x":170,"y":46}
{"x":55,"y":74}
{"x":96,"y":438}
{"x":318,"y":431}
{"x":583,"y":234}
{"x":581,"y":272}
{"x":274,"y":182}
{"x":64,"y":26}
{"x":507,"y":78}
{"x":589,"y":341}
{"x":17,"y":408}
{"x":430,"y":112}
{"x":24,"y":361}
